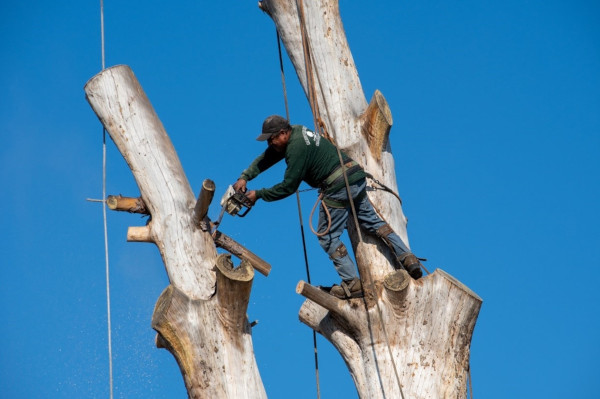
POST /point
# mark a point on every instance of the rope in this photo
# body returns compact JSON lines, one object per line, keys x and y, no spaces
{"x":285,"y":99}
{"x":328,"y":218}
{"x":316,"y":116}
{"x":287,"y":114}
{"x":314,"y":333}
{"x":310,"y":84}
{"x":110,"y":363}
{"x":470,"y":383}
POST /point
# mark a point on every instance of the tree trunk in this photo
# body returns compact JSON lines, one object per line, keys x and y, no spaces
{"x":406,"y":338}
{"x":208,"y":334}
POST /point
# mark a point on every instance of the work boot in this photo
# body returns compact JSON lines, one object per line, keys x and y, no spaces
{"x":412,"y":265}
{"x":347,"y":289}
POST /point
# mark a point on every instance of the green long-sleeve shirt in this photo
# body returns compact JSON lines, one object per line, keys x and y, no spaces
{"x":309,"y":158}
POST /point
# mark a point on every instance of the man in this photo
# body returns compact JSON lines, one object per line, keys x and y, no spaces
{"x":313,"y":159}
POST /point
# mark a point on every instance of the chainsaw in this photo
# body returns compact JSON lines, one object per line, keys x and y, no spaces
{"x":233,"y":202}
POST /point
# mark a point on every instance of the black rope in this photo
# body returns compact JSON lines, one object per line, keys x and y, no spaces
{"x":287,"y":114}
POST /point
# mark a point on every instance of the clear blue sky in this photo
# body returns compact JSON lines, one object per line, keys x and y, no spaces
{"x":496,"y":138}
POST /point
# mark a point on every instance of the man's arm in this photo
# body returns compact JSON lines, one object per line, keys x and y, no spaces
{"x":263,"y":162}
{"x":297,"y":163}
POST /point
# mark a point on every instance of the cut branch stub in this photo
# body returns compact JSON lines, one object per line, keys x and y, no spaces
{"x":377,"y":123}
{"x":140,"y":234}
{"x":233,"y":290}
{"x":204,"y":199}
{"x":127,"y":204}
{"x":320,"y":297}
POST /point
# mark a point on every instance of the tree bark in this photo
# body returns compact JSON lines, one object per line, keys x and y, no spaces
{"x":405,"y":338}
{"x":208,"y":334}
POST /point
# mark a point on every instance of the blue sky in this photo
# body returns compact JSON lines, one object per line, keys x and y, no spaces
{"x":496,"y":136}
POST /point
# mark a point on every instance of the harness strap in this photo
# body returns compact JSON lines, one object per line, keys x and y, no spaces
{"x":343,"y":203}
{"x":337,"y":172}
{"x":346,"y":288}
{"x":335,"y":180}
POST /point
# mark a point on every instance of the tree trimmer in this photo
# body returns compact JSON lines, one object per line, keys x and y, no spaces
{"x":233,"y":202}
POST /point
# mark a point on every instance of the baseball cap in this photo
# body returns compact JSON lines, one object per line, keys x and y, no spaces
{"x":273,"y":124}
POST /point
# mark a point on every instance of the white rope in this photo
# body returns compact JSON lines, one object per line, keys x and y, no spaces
{"x":102,"y":30}
{"x":110,"y":363}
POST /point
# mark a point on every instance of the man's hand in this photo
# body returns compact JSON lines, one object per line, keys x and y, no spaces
{"x":240,"y":185}
{"x":252,"y":196}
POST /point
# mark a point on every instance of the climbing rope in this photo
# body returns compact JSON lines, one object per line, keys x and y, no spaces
{"x":316,"y":116}
{"x":287,"y":114}
{"x":470,"y":382}
{"x":110,"y":364}
{"x":322,"y":233}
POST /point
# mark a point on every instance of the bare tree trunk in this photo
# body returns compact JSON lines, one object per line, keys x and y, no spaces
{"x":208,"y":334}
{"x":406,"y":338}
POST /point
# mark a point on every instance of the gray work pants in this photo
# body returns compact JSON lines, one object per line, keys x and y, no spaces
{"x":367,"y":219}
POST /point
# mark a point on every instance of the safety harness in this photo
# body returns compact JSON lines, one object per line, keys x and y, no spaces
{"x":335,"y":182}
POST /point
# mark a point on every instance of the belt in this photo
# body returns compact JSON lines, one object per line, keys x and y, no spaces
{"x":336,"y":178}
{"x":343,"y":203}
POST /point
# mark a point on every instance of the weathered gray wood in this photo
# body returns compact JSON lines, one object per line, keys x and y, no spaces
{"x":208,"y":334}
{"x":427,"y":324}
{"x":123,"y":108}
{"x":204,"y":199}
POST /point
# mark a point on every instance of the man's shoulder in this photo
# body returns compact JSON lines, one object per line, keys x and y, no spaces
{"x":298,"y":129}
{"x":301,"y":135}
{"x":298,"y":133}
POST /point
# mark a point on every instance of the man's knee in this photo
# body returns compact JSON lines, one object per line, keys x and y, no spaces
{"x":384,"y":230}
{"x":339,"y":252}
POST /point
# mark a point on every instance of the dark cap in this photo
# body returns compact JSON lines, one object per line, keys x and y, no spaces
{"x":273,"y":124}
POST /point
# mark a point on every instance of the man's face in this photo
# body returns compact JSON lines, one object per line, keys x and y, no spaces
{"x":279,"y":140}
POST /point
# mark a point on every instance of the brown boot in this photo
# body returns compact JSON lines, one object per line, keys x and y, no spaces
{"x":412,"y":265}
{"x":348,"y":289}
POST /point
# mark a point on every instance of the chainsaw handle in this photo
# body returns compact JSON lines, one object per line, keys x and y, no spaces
{"x":245,"y":212}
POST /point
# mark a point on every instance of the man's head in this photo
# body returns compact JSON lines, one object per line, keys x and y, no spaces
{"x":273,"y":125}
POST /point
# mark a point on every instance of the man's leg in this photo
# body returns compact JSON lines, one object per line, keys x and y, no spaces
{"x":372,"y":223}
{"x":350,"y":287}
{"x":332,"y":244}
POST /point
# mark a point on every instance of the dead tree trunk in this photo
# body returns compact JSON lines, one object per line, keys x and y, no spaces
{"x":406,"y":338}
{"x":208,"y":334}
